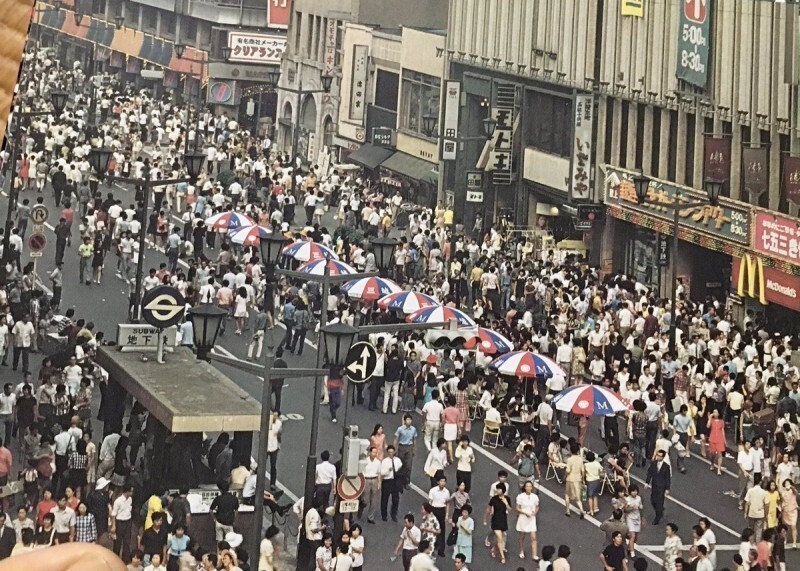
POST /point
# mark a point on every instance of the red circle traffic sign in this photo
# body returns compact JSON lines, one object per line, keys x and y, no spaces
{"x":39,"y":214}
{"x":350,"y":488}
{"x":37,"y":242}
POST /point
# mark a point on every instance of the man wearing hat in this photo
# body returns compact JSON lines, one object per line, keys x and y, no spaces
{"x":99,"y":505}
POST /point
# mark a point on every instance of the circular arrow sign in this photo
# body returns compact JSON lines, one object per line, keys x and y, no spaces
{"x":163,"y":307}
{"x":351,"y":488}
{"x":39,"y":214}
{"x":361,"y":362}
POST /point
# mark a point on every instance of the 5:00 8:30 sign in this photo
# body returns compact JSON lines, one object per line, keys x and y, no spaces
{"x":694,"y":41}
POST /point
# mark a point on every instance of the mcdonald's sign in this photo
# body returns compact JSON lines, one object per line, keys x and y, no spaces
{"x":750,"y":278}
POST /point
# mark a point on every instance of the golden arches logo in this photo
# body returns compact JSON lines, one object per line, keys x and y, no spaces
{"x":753,"y":268}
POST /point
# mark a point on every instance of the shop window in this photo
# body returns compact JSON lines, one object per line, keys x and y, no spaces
{"x":549,"y":128}
{"x":99,"y":7}
{"x":387,"y":85}
{"x":420,"y":98}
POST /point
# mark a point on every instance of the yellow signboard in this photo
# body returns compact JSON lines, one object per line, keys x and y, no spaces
{"x":633,"y":8}
{"x":752,"y":268}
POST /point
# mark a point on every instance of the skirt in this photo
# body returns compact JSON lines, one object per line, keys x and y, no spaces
{"x":574,"y":490}
{"x":593,"y":488}
{"x":450,"y":432}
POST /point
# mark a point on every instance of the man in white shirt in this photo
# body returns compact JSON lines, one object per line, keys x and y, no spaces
{"x":744,"y":462}
{"x":121,"y":523}
{"x":438,"y":498}
{"x":390,"y":484}
{"x":23,"y":332}
{"x":422,"y":561}
{"x":324,"y":477}
{"x":372,"y":489}
{"x":410,"y":541}
{"x":432,"y":411}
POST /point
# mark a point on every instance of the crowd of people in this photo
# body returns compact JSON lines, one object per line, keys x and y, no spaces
{"x":728,"y":387}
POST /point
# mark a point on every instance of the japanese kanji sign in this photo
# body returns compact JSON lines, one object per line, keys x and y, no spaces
{"x":729,"y":219}
{"x":694,"y":41}
{"x":143,"y":337}
{"x":791,"y":178}
{"x":452,"y":105}
{"x":358,"y":87}
{"x":777,"y":236}
{"x":755,"y":171}
{"x":504,"y":112}
{"x":580,"y":179}
{"x":717,"y":157}
{"x":257,"y":48}
{"x":330,"y":46}
{"x":279,"y":13}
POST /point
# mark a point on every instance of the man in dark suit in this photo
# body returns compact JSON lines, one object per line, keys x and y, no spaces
{"x":659,"y":476}
{"x":8,"y":538}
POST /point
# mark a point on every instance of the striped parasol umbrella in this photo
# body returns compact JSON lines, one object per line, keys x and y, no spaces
{"x":229,"y":221}
{"x":490,"y":342}
{"x":589,"y":400}
{"x":309,"y":252}
{"x":406,"y":301}
{"x":370,"y":289}
{"x":526,"y":364}
{"x":335,"y":267}
{"x":249,"y":235}
{"x":441,"y":313}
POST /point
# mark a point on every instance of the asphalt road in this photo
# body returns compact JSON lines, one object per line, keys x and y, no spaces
{"x":699,"y":492}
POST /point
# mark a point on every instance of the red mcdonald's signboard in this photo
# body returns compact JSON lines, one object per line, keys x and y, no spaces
{"x":750,"y":278}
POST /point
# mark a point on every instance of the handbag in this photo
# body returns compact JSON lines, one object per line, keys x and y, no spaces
{"x":452,"y":536}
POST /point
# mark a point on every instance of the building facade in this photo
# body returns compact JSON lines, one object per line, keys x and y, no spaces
{"x":307,"y":116}
{"x":678,"y":90}
{"x":132,"y":36}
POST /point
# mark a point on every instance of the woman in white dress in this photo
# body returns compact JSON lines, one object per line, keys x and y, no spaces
{"x":240,"y":310}
{"x":527,"y":506}
{"x":633,"y":516}
{"x":672,"y":547}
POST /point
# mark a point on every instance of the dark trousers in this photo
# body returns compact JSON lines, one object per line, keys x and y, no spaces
{"x":322,"y":492}
{"x":23,"y":352}
{"x":62,"y":464}
{"x":61,"y":244}
{"x":273,"y":467}
{"x":56,"y":301}
{"x":298,"y":339}
{"x":309,"y":215}
{"x":408,"y":554}
{"x":611,"y":427}
{"x":405,"y":452}
{"x":652,"y":436}
{"x":375,"y":385}
{"x":122,"y":542}
{"x":390,"y":489}
{"x":277,"y":389}
{"x":440,"y":514}
{"x":657,"y":501}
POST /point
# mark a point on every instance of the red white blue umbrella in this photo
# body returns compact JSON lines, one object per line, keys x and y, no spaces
{"x":406,"y":301}
{"x":309,"y":252}
{"x":370,"y":289}
{"x":441,"y":313}
{"x":249,"y":235}
{"x":336,"y":268}
{"x":229,"y":221}
{"x":490,"y":342}
{"x":526,"y":364}
{"x":588,"y":400}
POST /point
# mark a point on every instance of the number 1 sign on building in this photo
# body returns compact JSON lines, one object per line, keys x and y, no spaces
{"x":694,"y":42}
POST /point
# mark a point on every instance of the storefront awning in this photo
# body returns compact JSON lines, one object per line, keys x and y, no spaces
{"x":411,"y":167}
{"x":369,"y":156}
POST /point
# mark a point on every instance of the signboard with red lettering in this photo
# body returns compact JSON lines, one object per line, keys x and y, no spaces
{"x":582,"y":148}
{"x":751,"y":278}
{"x":278,"y":13}
{"x":777,"y":236}
{"x":729,"y":219}
{"x":265,"y":49}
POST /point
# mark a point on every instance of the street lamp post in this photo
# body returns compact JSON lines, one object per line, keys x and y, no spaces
{"x":273,"y":78}
{"x":180,"y":50}
{"x":713,"y":188}
{"x":58,"y":98}
{"x":99,"y":159}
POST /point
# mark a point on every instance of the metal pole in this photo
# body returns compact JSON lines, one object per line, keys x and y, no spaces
{"x":263,"y":440}
{"x":137,"y":296}
{"x":673,"y":264}
{"x":12,"y":192}
{"x":304,"y":548}
{"x":296,"y":127}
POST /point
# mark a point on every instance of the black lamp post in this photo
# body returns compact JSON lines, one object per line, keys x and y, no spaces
{"x":274,"y":77}
{"x":326,"y":81}
{"x":641,"y":183}
{"x":119,"y":21}
{"x":713,"y":188}
{"x":337,"y":339}
{"x":429,"y":125}
{"x":99,"y":159}
{"x":226,"y":53}
{"x":206,"y":321}
{"x":383,"y":248}
{"x":180,"y":49}
{"x":489,"y":126}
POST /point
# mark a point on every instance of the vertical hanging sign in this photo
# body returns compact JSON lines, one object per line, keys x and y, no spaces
{"x":582,"y":148}
{"x":503,"y":140}
{"x":452,"y":103}
{"x":358,"y":86}
{"x":694,"y":41}
{"x":330,"y":46}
